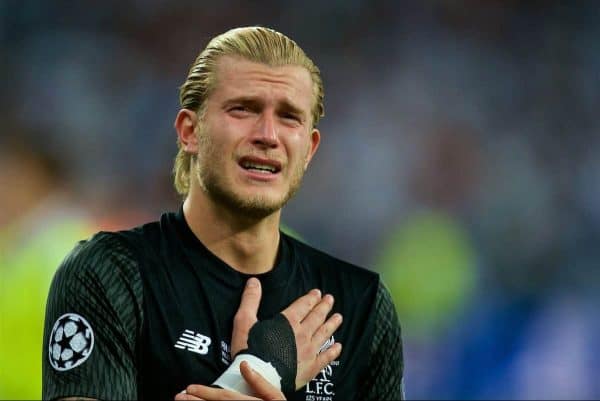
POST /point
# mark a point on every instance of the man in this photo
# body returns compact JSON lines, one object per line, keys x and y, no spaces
{"x":153,"y":311}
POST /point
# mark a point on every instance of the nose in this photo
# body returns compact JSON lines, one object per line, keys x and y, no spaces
{"x":266,"y":132}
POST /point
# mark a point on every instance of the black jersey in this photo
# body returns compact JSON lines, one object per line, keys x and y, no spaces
{"x":146,"y":312}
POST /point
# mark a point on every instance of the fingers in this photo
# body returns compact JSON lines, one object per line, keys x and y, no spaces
{"x":327,"y":356}
{"x":318,"y":314}
{"x":185,"y":396}
{"x":200,"y":392}
{"x":308,"y":318}
{"x":250,"y":298}
{"x":245,"y":317}
{"x":326,"y":330}
{"x":261,"y":387}
{"x":298,"y":310}
{"x":314,"y":328}
{"x":309,"y":370}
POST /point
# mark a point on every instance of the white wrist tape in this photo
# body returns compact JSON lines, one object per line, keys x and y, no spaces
{"x":232,"y":378}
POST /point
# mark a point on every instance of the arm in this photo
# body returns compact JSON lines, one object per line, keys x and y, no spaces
{"x":384,"y":379}
{"x":93,"y":317}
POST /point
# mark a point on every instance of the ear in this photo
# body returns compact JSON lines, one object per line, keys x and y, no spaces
{"x":315,"y":140}
{"x":185,"y":125}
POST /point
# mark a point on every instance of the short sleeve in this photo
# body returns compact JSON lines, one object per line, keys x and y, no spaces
{"x":384,"y":379}
{"x":93,"y":319}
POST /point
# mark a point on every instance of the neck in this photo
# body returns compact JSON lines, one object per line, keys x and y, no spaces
{"x":246,"y":244}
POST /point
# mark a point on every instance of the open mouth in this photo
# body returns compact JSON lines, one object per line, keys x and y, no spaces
{"x":259,"y":165}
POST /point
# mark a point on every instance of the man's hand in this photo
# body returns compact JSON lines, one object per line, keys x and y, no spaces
{"x":307,"y":317}
{"x":262,"y":389}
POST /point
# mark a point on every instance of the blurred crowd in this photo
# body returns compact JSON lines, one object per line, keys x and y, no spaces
{"x":459,"y":157}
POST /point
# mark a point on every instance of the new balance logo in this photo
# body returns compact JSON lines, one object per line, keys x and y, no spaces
{"x":194,"y":342}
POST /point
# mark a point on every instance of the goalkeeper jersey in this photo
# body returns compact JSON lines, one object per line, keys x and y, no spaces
{"x":143,"y":313}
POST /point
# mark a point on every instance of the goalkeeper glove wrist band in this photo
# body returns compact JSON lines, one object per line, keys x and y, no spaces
{"x":271,"y":352}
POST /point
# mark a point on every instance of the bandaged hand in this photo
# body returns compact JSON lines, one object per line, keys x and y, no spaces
{"x":285,"y":348}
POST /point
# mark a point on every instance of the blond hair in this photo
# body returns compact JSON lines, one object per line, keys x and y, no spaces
{"x":258,"y":44}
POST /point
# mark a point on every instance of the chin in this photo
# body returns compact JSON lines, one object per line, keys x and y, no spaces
{"x":252,"y":205}
{"x":261,"y":205}
{"x":252,"y":208}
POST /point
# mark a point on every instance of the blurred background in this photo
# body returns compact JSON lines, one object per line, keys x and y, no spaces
{"x":459,"y":158}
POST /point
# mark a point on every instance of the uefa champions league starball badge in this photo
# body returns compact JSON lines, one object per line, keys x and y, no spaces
{"x":71,"y":342}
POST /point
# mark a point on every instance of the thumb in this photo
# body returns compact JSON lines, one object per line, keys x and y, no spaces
{"x":245,"y":317}
{"x":260,"y":386}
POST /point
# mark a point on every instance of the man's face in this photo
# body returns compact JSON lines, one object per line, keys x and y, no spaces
{"x":256,"y":138}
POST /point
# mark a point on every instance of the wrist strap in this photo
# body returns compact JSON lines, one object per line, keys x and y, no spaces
{"x":232,"y":378}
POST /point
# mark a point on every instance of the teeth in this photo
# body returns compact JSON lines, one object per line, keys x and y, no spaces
{"x":261,"y":167}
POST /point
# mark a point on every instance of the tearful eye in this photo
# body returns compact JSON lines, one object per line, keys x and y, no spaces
{"x":291,"y":117}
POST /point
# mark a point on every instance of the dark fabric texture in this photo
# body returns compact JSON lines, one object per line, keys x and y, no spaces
{"x":384,"y":380}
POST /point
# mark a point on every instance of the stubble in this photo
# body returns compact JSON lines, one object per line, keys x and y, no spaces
{"x":221,"y":190}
